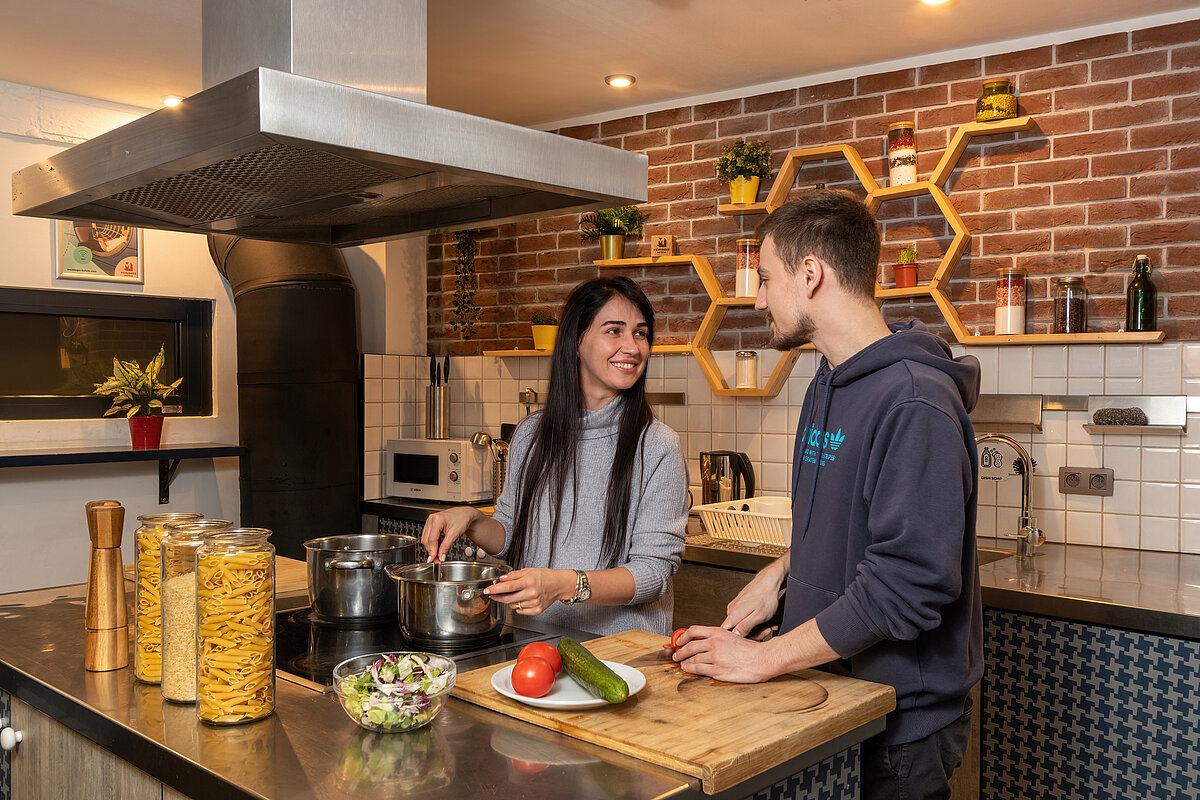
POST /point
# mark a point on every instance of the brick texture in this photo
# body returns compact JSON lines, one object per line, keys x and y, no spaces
{"x":1111,"y":169}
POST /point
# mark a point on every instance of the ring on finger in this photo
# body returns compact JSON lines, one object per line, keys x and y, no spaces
{"x":517,"y":605}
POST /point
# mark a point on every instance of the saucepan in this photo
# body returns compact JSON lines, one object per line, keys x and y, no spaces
{"x":347,"y":581}
{"x":444,"y":605}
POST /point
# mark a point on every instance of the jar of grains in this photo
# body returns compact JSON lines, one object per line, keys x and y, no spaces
{"x":1070,"y":305}
{"x":179,"y":548}
{"x":235,"y":615}
{"x":902,"y":153}
{"x":747,"y":268}
{"x":996,"y":103}
{"x":147,"y":597}
{"x":1010,"y":301}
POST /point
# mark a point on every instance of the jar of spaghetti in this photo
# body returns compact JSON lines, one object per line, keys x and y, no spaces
{"x":179,"y":548}
{"x":902,"y":153}
{"x":1010,"y":301}
{"x":235,"y":618}
{"x":147,"y":596}
{"x":747,"y":268}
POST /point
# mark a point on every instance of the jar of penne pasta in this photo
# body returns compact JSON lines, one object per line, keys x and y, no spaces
{"x":235,"y":615}
{"x":179,"y":548}
{"x":147,"y":595}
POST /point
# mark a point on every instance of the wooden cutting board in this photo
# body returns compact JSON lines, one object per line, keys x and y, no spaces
{"x":721,"y":733}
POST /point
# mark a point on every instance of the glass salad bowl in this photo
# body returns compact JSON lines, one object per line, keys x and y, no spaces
{"x":393,"y":692}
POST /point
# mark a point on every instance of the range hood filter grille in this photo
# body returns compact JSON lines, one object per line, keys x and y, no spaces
{"x":254,"y":182}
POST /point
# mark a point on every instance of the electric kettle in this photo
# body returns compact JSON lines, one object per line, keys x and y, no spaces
{"x":725,"y":475}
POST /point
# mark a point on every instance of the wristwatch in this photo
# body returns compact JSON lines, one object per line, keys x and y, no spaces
{"x":583,"y":590}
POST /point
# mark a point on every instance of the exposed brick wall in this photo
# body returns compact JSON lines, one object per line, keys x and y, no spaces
{"x":1111,"y":169}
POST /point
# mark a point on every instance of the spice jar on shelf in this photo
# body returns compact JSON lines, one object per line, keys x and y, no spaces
{"x":179,"y":549}
{"x":902,"y":153}
{"x":747,"y":369}
{"x":996,"y":103}
{"x":1070,"y":305}
{"x":747,"y":268}
{"x":1010,"y":301}
{"x":235,"y":617}
{"x":147,"y":603}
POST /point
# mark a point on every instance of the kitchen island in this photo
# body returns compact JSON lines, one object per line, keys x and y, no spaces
{"x":85,"y":730}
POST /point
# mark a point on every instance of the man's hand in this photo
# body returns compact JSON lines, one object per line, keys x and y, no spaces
{"x":758,"y":600}
{"x":718,"y":653}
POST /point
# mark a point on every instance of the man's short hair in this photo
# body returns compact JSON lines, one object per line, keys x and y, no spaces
{"x":837,"y":228}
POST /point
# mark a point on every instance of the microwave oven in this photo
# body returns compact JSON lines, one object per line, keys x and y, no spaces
{"x":439,"y":470}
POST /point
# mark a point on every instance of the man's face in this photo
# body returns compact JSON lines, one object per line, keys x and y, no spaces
{"x":782,"y":295}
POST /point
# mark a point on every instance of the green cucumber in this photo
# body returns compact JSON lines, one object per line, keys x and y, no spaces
{"x":591,"y":673}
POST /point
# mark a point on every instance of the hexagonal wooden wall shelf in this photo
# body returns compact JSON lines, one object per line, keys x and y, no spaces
{"x":795,"y":158}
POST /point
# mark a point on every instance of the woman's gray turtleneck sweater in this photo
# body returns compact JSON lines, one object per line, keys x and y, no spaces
{"x":657,"y":518}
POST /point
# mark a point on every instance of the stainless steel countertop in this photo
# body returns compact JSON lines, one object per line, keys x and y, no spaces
{"x":308,"y":748}
{"x":1136,"y":589}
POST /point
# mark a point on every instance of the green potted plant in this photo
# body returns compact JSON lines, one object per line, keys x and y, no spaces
{"x":464,"y":313}
{"x":138,"y":393}
{"x":906,"y":267}
{"x":744,"y":164}
{"x":611,"y":226}
{"x":545,"y":330}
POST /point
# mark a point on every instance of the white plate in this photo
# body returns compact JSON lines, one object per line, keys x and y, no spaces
{"x":566,"y":693}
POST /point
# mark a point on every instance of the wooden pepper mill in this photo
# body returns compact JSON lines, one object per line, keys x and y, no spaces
{"x":106,"y":621}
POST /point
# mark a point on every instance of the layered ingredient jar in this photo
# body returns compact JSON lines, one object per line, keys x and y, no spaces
{"x":147,"y":637}
{"x":179,"y":549}
{"x":902,"y":153}
{"x":747,"y":268}
{"x":1010,"y":301}
{"x":235,"y":615}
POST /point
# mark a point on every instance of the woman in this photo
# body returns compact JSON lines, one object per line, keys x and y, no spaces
{"x":593,"y":512}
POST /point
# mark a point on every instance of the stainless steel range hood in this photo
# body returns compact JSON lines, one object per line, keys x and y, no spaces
{"x":278,"y":156}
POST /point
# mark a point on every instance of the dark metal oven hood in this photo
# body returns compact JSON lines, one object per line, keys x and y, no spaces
{"x":277,"y":156}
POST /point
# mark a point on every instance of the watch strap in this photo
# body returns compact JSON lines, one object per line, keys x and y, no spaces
{"x":583,"y":589}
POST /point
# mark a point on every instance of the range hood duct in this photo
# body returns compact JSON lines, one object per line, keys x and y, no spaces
{"x":273,"y":155}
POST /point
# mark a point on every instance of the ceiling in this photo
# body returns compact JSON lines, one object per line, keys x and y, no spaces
{"x":534,"y":62}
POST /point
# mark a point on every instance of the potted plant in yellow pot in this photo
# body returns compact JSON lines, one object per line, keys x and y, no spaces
{"x":138,"y":393}
{"x":611,"y":226}
{"x":744,"y":164}
{"x":545,"y":330}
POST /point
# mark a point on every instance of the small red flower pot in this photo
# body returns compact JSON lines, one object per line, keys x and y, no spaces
{"x":146,"y":432}
{"x":906,"y":276}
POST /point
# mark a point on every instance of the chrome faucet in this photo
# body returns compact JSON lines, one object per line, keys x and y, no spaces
{"x":1028,"y":535}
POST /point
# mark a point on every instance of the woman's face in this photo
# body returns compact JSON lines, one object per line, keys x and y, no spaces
{"x":612,"y":352}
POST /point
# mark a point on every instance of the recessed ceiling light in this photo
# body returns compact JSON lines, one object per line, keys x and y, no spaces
{"x":171,"y":100}
{"x":934,"y":2}
{"x":620,"y":81}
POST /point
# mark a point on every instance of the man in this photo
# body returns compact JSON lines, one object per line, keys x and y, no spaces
{"x":882,"y":581}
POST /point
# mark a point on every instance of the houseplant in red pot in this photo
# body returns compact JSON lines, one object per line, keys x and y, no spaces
{"x":139,"y":394}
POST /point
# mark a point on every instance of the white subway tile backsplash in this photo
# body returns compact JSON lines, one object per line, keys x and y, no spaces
{"x":391,"y":390}
{"x":724,"y":419}
{"x":1053,"y":525}
{"x":699,"y":418}
{"x":1123,"y":386}
{"x":1189,"y":536}
{"x":1160,"y":533}
{"x":1085,"y":385}
{"x":392,"y":366}
{"x":1085,"y":361}
{"x":1160,"y":464}
{"x":1050,"y":361}
{"x":1162,"y":370}
{"x":1015,"y":374}
{"x":777,"y":447}
{"x":1121,"y":530}
{"x":372,"y":414}
{"x":372,"y":365}
{"x":1122,"y":361}
{"x":989,"y":382}
{"x":751,"y":445}
{"x":1160,"y":499}
{"x":1126,"y":498}
{"x":373,"y":390}
{"x":776,"y":478}
{"x":749,"y":416}
{"x":1084,"y":502}
{"x":1189,"y":360}
{"x":1189,"y":501}
{"x":1089,"y":454}
{"x":1084,"y":528}
{"x":1125,"y":462}
{"x":1189,"y":465}
{"x":1049,"y":386}
{"x":391,"y":413}
{"x":985,"y":520}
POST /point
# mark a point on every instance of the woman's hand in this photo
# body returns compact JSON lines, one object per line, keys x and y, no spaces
{"x":443,"y":527}
{"x":532,"y":591}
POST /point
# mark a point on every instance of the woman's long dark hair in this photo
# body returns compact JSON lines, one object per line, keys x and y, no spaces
{"x":553,"y":451}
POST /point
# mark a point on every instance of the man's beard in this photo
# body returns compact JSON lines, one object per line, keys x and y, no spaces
{"x":788,"y":340}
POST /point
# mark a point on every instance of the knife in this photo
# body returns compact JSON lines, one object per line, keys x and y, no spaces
{"x":446,"y":369}
{"x":432,"y":373}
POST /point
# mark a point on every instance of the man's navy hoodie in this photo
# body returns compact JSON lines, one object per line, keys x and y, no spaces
{"x":883,"y":530}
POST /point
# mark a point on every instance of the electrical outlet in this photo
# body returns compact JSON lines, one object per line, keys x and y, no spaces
{"x":1086,"y":480}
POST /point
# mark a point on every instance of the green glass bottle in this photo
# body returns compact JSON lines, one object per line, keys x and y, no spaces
{"x":1141,"y":300}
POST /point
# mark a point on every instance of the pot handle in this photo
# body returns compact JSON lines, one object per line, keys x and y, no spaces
{"x":365,"y":563}
{"x":471,"y":592}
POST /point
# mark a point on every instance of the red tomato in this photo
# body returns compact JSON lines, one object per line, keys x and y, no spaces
{"x":532,"y":676}
{"x":675,"y":638}
{"x":543,"y":650}
{"x":529,"y":767}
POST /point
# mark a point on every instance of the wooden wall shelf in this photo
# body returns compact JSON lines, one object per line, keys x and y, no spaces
{"x":1111,"y":337}
{"x":742,"y":209}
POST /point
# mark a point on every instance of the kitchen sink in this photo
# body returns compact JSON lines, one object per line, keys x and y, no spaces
{"x":987,"y":555}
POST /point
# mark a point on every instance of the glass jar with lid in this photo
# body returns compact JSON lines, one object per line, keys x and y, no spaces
{"x":902,"y":153}
{"x":235,"y":617}
{"x":747,"y":369}
{"x":147,"y":594}
{"x":1070,"y":305}
{"x":178,"y":549}
{"x":746,"y":284}
{"x":996,"y":103}
{"x":1010,"y":301}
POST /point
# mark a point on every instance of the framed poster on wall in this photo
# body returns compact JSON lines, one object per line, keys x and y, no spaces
{"x":97,"y":251}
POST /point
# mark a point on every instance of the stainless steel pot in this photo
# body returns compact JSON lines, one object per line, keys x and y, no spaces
{"x":444,"y":605}
{"x":347,"y":580}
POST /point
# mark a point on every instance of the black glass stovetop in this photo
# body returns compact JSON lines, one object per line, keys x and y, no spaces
{"x":308,"y":648}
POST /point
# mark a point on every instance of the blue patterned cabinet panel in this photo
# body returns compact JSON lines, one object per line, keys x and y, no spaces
{"x":1075,"y":710}
{"x":835,"y":778}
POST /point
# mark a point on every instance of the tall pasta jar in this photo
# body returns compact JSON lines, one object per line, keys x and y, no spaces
{"x":179,"y":548}
{"x":147,"y":637}
{"x":235,"y":615}
{"x":1010,"y":301}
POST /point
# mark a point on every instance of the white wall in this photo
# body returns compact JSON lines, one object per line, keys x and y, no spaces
{"x":43,"y":532}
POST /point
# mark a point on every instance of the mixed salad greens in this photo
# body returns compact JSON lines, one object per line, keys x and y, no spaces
{"x":396,"y":692}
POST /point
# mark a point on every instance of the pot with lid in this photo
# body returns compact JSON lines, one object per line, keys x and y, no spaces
{"x":443,"y":605}
{"x":347,"y":581}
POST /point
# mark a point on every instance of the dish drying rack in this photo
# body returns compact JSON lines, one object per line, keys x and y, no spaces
{"x":754,"y":521}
